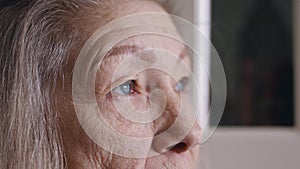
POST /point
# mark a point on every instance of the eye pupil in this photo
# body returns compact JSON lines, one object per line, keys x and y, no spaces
{"x":126,"y":88}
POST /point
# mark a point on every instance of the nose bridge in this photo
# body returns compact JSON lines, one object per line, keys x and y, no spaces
{"x":158,"y":79}
{"x":178,"y":127}
{"x":174,"y":102}
{"x":175,"y":105}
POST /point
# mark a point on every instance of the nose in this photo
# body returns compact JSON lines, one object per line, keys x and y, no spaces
{"x":177,"y":141}
{"x":177,"y":128}
{"x":190,"y":141}
{"x":180,"y":129}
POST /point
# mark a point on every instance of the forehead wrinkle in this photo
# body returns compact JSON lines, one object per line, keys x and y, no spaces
{"x":127,"y":50}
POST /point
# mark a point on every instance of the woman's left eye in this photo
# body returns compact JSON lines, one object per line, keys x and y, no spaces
{"x":126,"y":88}
{"x":180,"y":86}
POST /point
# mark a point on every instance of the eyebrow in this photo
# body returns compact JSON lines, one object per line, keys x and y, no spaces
{"x":123,"y":50}
{"x":131,"y":49}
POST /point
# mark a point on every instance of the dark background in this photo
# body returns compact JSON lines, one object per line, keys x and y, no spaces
{"x":254,"y":41}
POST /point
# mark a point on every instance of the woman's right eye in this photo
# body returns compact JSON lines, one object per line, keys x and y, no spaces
{"x":126,"y":88}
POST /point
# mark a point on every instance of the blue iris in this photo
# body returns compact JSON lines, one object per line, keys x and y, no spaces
{"x":125,"y":88}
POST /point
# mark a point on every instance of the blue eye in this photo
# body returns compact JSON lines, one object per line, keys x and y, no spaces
{"x":180,"y":86}
{"x":126,"y":88}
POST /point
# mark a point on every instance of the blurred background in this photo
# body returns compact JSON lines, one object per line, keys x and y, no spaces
{"x":258,"y":42}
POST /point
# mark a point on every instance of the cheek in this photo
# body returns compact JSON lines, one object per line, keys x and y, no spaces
{"x":115,"y":119}
{"x":140,"y":103}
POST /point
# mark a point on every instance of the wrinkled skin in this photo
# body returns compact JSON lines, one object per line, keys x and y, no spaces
{"x":82,"y":152}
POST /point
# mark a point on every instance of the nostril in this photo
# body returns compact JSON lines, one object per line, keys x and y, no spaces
{"x":179,"y":148}
{"x":173,"y":141}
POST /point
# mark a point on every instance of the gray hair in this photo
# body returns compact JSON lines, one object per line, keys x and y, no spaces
{"x":38,"y":39}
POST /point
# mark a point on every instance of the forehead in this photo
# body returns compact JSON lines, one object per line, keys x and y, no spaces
{"x":144,"y":41}
{"x":137,"y":6}
{"x":151,"y":44}
{"x":154,"y":41}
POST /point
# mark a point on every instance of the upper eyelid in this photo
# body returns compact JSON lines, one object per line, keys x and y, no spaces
{"x":184,"y":77}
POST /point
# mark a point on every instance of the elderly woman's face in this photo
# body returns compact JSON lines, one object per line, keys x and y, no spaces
{"x":119,"y":89}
